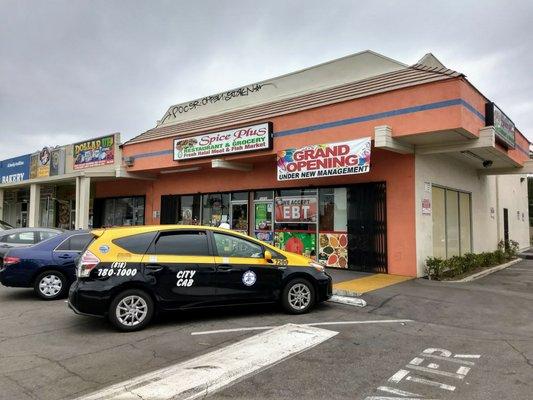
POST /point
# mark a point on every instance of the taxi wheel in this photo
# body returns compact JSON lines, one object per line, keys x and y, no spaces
{"x":50,"y":285}
{"x":298,"y":296}
{"x":131,"y":310}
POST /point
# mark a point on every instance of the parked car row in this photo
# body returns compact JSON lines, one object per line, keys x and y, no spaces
{"x":48,"y":265}
{"x":22,"y":237}
{"x":130,"y":274}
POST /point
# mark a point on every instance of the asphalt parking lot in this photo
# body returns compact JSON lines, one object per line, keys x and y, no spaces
{"x":462,"y":341}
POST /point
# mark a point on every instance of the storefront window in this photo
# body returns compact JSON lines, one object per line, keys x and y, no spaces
{"x":189,"y":210}
{"x":451,"y":214}
{"x":123,"y":211}
{"x":452,"y":223}
{"x":239,"y":196}
{"x":438,"y":213}
{"x":332,"y":235}
{"x":263,"y":222}
{"x":465,"y":223}
{"x":296,"y":217}
{"x":264,"y":195}
{"x":239,"y":217}
{"x":215,"y":209}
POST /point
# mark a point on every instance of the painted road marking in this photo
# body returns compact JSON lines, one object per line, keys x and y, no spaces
{"x":398,"y":376}
{"x":210,"y":372}
{"x":262,"y":328}
{"x":467,"y":356}
{"x":394,"y":398}
{"x":439,"y":385}
{"x":369,"y":283}
{"x":428,"y":355}
{"x":454,"y":360}
{"x":436,"y":371}
{"x":399,"y":392}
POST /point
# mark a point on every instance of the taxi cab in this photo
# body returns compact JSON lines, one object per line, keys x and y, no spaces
{"x":128,"y":274}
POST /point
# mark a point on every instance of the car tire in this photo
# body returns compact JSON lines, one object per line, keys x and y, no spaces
{"x":298,"y":296}
{"x":51,"y":285}
{"x":131,"y":310}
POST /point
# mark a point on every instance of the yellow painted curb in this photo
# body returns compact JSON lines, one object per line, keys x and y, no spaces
{"x":369,"y":283}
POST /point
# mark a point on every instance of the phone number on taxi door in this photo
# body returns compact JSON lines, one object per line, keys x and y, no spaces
{"x":117,"y":269}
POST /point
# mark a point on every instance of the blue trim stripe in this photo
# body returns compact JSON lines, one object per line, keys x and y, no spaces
{"x":471,"y":108}
{"x":385,"y":114}
{"x":356,"y":120}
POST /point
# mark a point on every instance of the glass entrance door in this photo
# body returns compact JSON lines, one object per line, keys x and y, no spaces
{"x":263,"y":222}
{"x":239,"y":216}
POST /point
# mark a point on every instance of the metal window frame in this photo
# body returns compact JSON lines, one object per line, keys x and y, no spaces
{"x":458,"y":191}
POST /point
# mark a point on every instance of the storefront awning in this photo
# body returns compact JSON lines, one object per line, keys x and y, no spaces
{"x":482,"y":152}
{"x":110,"y":174}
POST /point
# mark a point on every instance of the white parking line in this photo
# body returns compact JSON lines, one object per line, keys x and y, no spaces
{"x":262,"y":328}
{"x":467,"y":355}
{"x":210,"y":372}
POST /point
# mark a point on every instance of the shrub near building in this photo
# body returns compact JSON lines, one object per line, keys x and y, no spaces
{"x":456,"y":266}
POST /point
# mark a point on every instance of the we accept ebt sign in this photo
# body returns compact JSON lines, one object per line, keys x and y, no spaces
{"x":321,"y":160}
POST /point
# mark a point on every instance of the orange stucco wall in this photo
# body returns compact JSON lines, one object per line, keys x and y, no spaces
{"x":453,"y":117}
{"x":395,"y":169}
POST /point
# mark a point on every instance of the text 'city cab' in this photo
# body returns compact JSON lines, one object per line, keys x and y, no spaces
{"x":127,"y":274}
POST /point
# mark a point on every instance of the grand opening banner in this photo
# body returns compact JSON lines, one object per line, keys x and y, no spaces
{"x":322,"y":160}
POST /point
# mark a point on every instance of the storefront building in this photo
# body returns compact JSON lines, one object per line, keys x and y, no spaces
{"x":363,"y":163}
{"x":52,"y":187}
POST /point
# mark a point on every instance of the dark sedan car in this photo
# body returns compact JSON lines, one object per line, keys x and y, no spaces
{"x":48,"y":267}
{"x":23,"y":237}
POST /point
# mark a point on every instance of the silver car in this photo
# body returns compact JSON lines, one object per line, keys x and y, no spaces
{"x":20,"y":237}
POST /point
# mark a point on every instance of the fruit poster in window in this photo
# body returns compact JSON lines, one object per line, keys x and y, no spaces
{"x":296,"y":242}
{"x":263,"y":216}
{"x":333,"y":249}
{"x":265,"y":236}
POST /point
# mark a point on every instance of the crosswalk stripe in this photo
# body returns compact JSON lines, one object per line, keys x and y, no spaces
{"x":210,"y":372}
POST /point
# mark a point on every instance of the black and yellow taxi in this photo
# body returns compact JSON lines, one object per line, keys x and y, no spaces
{"x":128,"y":274}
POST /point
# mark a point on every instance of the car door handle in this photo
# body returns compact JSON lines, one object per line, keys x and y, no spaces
{"x":65,"y":256}
{"x":154,"y":267}
{"x":225,"y":268}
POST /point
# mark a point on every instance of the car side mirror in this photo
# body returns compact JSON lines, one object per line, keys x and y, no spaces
{"x":268,"y":256}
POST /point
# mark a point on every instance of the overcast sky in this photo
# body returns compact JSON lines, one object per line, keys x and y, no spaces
{"x":71,"y":70}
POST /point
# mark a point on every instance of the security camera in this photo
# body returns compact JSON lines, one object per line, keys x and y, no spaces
{"x":487,"y":163}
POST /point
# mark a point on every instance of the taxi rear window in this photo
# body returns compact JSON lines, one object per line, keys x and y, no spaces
{"x":136,"y":244}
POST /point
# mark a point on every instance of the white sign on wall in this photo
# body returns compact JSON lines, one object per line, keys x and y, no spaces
{"x":426,"y":206}
{"x":239,"y":140}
